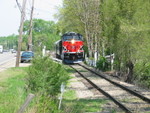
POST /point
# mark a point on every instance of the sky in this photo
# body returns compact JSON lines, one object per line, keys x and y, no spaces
{"x":10,"y":15}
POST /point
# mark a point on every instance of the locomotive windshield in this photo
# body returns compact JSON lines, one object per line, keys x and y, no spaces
{"x":68,"y":37}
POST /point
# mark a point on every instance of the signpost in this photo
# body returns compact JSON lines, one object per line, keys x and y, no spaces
{"x":62,"y":89}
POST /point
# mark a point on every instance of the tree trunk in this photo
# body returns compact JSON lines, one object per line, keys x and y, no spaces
{"x":130,"y":67}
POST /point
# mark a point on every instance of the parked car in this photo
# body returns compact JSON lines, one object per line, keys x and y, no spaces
{"x":26,"y":56}
{"x":13,"y":51}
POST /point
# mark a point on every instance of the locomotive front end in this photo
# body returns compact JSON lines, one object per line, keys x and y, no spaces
{"x":72,"y":48}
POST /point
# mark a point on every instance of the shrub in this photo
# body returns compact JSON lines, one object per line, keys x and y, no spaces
{"x":102,"y":64}
{"x":46,"y":76}
{"x":142,"y":73}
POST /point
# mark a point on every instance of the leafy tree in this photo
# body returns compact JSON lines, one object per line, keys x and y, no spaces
{"x":9,"y":42}
{"x":45,"y":33}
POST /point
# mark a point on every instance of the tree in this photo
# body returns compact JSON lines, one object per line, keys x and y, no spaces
{"x":44,"y":33}
{"x":9,"y":42}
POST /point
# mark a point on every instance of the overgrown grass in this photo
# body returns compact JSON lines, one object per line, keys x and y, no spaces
{"x":12,"y":93}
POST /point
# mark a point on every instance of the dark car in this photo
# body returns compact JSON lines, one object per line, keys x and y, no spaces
{"x":27,"y":56}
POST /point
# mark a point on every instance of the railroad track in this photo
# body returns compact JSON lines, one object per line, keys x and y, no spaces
{"x":127,"y":99}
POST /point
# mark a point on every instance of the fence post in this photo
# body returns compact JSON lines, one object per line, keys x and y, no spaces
{"x":27,"y":101}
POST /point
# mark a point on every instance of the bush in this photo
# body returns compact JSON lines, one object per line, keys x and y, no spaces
{"x":46,"y":76}
{"x":45,"y":104}
{"x":142,"y":74}
{"x":102,"y":64}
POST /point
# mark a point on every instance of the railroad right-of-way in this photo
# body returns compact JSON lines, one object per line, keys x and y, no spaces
{"x":129,"y":99}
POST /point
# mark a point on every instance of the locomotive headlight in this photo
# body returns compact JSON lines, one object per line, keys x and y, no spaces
{"x":72,"y":41}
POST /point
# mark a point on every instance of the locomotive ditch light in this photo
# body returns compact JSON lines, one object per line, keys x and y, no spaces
{"x":72,"y":41}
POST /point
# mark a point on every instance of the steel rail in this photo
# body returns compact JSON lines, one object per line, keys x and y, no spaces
{"x":119,"y":85}
{"x":105,"y":93}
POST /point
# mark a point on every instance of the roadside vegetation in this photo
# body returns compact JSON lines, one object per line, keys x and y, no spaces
{"x":43,"y":79}
{"x":12,"y":91}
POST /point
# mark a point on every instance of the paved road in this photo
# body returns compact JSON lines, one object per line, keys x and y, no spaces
{"x":7,"y":60}
{"x":6,"y":57}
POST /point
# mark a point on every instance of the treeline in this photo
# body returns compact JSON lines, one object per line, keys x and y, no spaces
{"x":45,"y":33}
{"x":9,"y":42}
{"x":121,"y":27}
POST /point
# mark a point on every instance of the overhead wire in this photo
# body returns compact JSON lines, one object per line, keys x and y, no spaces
{"x":38,"y":10}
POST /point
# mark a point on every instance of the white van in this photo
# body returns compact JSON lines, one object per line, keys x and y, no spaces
{"x":1,"y":49}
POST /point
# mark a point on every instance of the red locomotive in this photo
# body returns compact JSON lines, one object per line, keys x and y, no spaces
{"x":70,"y":48}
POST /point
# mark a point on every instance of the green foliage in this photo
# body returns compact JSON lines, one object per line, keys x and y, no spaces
{"x":44,"y":79}
{"x":41,"y":26}
{"x":102,"y":64}
{"x":123,"y":29}
{"x":48,"y":40}
{"x":12,"y":93}
{"x":46,"y":76}
{"x":45,"y":33}
{"x":45,"y":104}
{"x":69,"y":20}
{"x":142,"y":74}
{"x":9,"y":42}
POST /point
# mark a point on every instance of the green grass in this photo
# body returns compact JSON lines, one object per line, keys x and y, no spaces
{"x":73,"y":105}
{"x":12,"y":93}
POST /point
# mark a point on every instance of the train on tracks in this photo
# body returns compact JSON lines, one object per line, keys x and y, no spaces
{"x":70,"y":48}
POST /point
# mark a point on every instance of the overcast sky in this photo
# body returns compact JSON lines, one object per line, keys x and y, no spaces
{"x":10,"y":14}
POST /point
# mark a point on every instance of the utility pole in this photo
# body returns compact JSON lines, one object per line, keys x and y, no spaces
{"x":30,"y":29}
{"x":20,"y":32}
